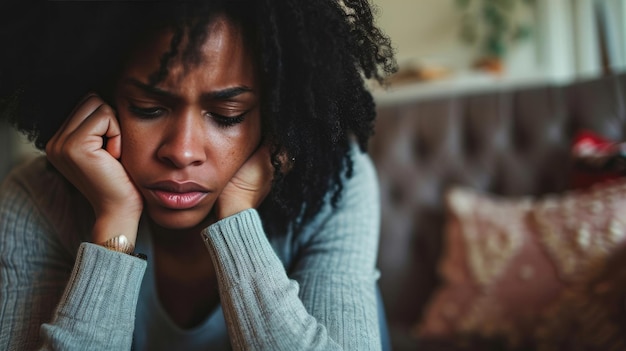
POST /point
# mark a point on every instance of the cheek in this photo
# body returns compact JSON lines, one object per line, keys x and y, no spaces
{"x":251,"y":138}
{"x":134,"y":145}
{"x":254,"y":131}
{"x":236,"y":147}
{"x":240,"y":141}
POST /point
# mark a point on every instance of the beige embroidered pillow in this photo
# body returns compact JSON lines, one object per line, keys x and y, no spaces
{"x":506,"y":261}
{"x":590,"y":315}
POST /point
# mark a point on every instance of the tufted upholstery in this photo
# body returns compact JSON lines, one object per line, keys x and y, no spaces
{"x":513,"y":142}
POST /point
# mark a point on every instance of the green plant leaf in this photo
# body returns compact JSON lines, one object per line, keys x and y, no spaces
{"x":495,"y":18}
{"x":495,"y":46}
{"x":522,"y":32}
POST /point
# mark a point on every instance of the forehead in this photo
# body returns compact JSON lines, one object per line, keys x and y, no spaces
{"x":217,"y":49}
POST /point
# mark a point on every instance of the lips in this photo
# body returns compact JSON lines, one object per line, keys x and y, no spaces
{"x":177,"y":196}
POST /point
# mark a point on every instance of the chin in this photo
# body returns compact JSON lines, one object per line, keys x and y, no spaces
{"x":178,"y":220}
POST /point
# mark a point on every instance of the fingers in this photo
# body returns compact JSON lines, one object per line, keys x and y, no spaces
{"x":76,"y":151}
{"x":258,"y":167}
{"x":114,"y":144}
{"x":263,"y":153}
{"x":249,"y":186}
{"x":89,"y":136}
{"x":74,"y":110}
{"x":91,"y":120}
{"x":82,"y":110}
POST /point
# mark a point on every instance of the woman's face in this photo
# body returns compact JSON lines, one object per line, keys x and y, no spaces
{"x":185,"y":138}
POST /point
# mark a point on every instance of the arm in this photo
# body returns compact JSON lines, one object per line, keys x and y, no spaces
{"x":97,"y":310}
{"x":34,"y":271}
{"x":329,"y":303}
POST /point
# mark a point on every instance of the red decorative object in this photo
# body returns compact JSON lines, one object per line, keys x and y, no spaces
{"x":596,"y":159}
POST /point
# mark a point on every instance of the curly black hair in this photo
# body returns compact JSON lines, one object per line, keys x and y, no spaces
{"x":314,"y":57}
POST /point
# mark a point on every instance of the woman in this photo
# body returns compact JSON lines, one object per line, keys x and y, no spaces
{"x":218,"y":138}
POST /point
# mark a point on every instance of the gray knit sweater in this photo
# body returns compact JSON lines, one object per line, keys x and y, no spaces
{"x":314,"y":290}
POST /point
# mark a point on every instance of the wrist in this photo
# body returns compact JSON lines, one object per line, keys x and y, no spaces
{"x":222,"y":212}
{"x":121,"y":244}
{"x":110,"y":225}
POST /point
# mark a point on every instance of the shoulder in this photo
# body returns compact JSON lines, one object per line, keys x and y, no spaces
{"x":35,"y":190}
{"x":364,"y":177}
{"x":347,"y":233}
{"x":353,"y":224}
{"x":357,"y":208}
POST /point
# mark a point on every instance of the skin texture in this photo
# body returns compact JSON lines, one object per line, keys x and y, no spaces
{"x":194,"y":135}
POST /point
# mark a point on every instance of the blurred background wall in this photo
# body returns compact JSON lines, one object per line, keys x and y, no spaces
{"x":446,"y":46}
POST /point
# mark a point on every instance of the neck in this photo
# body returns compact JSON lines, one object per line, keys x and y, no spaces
{"x":185,"y":242}
{"x":185,"y":279}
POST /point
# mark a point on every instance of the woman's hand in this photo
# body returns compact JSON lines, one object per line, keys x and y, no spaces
{"x":249,"y":186}
{"x":78,"y":150}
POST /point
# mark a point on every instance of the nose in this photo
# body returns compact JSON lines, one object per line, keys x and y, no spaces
{"x":183,"y":142}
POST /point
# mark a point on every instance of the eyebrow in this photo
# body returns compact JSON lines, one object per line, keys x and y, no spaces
{"x":222,"y":94}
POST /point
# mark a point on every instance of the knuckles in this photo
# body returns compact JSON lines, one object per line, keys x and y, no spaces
{"x":105,"y":110}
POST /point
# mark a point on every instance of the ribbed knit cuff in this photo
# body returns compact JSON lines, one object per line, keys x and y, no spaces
{"x":239,"y":246}
{"x":104,"y":286}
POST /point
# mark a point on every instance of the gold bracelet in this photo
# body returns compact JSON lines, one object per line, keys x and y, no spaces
{"x":121,"y":244}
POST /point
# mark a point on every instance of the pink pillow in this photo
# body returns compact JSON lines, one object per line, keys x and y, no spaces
{"x":507,"y":261}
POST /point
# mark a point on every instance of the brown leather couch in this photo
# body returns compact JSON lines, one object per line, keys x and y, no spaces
{"x":509,"y":142}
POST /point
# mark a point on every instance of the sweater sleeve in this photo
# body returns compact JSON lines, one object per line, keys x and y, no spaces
{"x":97,"y":310}
{"x":50,"y":299}
{"x":328,"y":301}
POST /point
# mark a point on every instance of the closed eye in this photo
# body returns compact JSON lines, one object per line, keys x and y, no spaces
{"x":227,"y":121}
{"x":146,"y":112}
